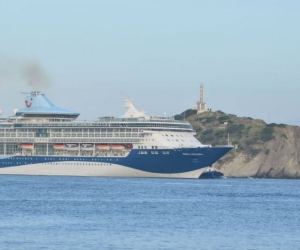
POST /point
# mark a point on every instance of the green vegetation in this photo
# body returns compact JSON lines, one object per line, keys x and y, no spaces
{"x":198,"y":130}
{"x":254,"y":151}
{"x":281,"y":125}
{"x":267,"y":133}
{"x":224,"y":118}
{"x":250,"y":135}
{"x":207,"y":136}
{"x":220,"y":134}
{"x":208,"y":119}
{"x":235,"y":128}
{"x":208,"y":131}
{"x":249,"y":142}
{"x":185,"y":114}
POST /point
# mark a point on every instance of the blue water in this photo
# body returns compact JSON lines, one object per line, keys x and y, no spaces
{"x":40,"y":212}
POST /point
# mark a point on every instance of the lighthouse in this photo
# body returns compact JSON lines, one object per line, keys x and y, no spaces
{"x":201,"y":105}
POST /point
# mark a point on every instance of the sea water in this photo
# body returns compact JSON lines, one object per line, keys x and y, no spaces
{"x":44,"y":212}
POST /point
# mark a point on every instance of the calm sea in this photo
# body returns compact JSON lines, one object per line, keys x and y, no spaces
{"x":41,"y":212}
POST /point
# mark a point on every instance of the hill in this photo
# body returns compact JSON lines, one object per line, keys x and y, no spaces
{"x":261,"y":150}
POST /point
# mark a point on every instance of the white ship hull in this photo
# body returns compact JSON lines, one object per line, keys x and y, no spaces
{"x":92,"y":169}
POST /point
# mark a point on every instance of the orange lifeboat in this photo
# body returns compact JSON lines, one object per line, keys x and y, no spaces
{"x":117,"y":146}
{"x":59,"y":146}
{"x":103,"y":147}
{"x":27,"y":146}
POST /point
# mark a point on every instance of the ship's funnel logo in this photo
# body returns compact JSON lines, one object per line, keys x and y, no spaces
{"x":28,"y":104}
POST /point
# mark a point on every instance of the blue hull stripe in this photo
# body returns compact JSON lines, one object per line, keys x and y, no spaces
{"x":177,"y":161}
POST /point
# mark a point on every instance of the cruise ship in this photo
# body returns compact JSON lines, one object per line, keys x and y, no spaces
{"x":43,"y":139}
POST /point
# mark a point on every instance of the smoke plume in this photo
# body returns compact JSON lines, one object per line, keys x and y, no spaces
{"x":34,"y":75}
{"x":30,"y":73}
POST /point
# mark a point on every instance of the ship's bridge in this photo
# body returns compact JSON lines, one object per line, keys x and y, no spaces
{"x":37,"y":105}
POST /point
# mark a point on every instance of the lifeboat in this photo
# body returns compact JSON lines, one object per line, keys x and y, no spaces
{"x":117,"y":146}
{"x":87,"y":146}
{"x":59,"y":146}
{"x":72,"y":146}
{"x":103,"y":147}
{"x":27,"y":146}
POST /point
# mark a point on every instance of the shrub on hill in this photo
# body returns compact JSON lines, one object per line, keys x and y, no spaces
{"x":281,"y":125}
{"x":220,"y":133}
{"x":208,"y":131}
{"x":207,"y":136}
{"x":267,"y":133}
{"x":235,"y":128}
{"x":254,"y":151}
{"x":208,"y":119}
{"x":223,"y":118}
{"x":185,"y":114}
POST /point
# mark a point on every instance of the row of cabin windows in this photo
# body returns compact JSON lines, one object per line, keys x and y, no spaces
{"x":176,"y":135}
{"x":75,"y":163}
{"x":154,"y":152}
{"x":67,"y":130}
{"x":62,"y":159}
{"x":60,"y":163}
{"x":143,"y":152}
{"x":144,"y":147}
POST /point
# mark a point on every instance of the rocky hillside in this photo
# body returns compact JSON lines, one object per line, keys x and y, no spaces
{"x":261,"y":150}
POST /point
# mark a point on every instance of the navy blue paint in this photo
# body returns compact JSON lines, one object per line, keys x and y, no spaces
{"x":177,"y":161}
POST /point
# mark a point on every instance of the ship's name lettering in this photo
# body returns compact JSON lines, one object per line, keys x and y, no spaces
{"x":192,"y":154}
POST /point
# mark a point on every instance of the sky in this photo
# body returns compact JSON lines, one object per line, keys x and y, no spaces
{"x":84,"y":54}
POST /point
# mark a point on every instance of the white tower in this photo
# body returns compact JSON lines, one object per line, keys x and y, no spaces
{"x":201,"y":105}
